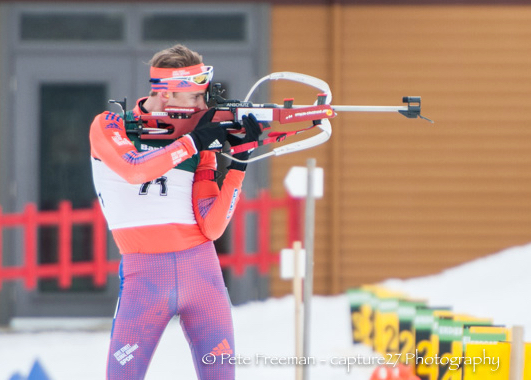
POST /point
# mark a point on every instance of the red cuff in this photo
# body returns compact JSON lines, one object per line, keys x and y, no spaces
{"x":205,"y":175}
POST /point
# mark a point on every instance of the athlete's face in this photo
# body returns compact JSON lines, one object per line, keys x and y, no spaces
{"x":188,"y":99}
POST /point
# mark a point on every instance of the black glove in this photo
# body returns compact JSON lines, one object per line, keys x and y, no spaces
{"x":252,"y":133}
{"x":208,"y":135}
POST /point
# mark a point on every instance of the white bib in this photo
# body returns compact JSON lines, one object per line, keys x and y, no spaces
{"x":167,"y":199}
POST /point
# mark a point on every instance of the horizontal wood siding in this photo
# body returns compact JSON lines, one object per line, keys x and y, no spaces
{"x":410,"y":198}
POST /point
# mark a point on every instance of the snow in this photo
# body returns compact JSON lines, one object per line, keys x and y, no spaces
{"x":264,"y":334}
{"x":495,"y":286}
{"x":491,"y":287}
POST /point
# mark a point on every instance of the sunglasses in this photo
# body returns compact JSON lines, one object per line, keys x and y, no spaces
{"x":200,"y":78}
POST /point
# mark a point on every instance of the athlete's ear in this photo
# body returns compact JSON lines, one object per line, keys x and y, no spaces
{"x":165,"y":95}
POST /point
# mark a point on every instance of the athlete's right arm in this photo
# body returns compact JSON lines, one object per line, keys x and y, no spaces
{"x":110,"y":144}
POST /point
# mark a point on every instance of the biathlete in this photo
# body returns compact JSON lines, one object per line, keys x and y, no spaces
{"x":164,"y":207}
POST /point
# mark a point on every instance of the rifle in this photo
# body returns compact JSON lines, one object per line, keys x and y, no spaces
{"x":174,"y":122}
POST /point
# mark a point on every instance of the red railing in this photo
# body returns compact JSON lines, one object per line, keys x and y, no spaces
{"x":263,"y":206}
{"x":64,"y":218}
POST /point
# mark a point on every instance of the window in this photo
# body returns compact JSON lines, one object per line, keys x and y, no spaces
{"x":194,"y":27}
{"x":71,"y":27}
{"x":67,"y":110}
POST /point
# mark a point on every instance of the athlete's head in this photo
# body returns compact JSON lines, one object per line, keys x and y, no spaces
{"x":179,"y":77}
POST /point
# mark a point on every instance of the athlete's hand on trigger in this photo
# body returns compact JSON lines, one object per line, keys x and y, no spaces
{"x":253,"y":130}
{"x":208,"y":135}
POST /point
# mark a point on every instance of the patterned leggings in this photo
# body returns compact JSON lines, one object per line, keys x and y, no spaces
{"x":154,"y":288}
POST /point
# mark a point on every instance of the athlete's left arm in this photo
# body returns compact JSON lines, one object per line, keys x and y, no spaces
{"x":214,"y":207}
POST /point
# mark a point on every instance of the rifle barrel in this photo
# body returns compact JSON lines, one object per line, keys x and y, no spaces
{"x":363,"y":108}
{"x":369,"y":108}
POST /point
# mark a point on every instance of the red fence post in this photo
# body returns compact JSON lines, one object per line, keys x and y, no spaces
{"x":264,"y":232}
{"x":239,"y":229}
{"x":99,"y":235}
{"x":1,"y":247}
{"x":294,"y":219}
{"x":65,"y":244}
{"x":30,"y":245}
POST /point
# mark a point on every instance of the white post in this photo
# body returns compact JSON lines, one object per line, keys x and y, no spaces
{"x":297,"y":292}
{"x":516,"y":369}
{"x":309,"y":228}
{"x":305,"y":182}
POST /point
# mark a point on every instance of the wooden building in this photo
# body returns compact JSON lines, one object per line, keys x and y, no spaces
{"x":405,"y":197}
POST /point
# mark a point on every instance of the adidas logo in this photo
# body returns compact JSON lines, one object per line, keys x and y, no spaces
{"x":222,"y":348}
{"x":183,"y":84}
{"x":215,"y":145}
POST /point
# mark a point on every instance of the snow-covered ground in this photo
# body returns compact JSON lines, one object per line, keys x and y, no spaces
{"x":264,"y":335}
{"x":495,"y":287}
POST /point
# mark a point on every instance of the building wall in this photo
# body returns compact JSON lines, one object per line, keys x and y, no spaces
{"x":405,"y":197}
{"x":43,"y":71}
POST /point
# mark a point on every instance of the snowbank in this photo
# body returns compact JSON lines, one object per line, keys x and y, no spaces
{"x":496,"y":286}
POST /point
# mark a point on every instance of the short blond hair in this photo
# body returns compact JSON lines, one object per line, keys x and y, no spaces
{"x":175,"y":57}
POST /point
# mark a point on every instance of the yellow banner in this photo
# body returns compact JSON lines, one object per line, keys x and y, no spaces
{"x":527,"y":362}
{"x":362,"y":325}
{"x":487,"y":361}
{"x":386,"y":332}
{"x":426,"y":365}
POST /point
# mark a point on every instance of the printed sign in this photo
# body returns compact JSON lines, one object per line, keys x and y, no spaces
{"x":487,"y":361}
{"x":406,"y":335}
{"x":361,"y":315}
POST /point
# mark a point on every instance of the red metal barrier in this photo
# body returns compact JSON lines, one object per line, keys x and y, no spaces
{"x":263,"y":206}
{"x":64,"y":218}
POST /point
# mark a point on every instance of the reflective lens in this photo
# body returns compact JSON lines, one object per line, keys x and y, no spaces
{"x":190,"y":82}
{"x":200,"y":79}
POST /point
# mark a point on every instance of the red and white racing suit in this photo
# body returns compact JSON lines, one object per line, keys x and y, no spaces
{"x":164,"y":209}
